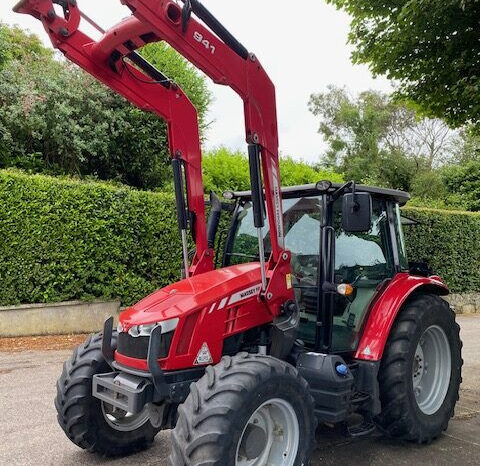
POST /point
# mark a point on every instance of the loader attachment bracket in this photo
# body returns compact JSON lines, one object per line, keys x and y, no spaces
{"x":62,"y":26}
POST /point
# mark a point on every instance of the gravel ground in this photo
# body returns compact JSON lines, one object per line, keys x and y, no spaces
{"x":29,"y":434}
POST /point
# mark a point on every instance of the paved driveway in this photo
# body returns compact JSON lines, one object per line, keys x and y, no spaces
{"x":29,"y":434}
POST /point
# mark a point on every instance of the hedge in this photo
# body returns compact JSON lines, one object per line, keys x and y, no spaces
{"x":450,"y":242}
{"x":62,"y":239}
{"x":225,"y":170}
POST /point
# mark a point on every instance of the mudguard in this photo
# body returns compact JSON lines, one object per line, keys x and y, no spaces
{"x":386,"y":307}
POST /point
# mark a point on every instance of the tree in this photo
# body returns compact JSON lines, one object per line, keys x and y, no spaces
{"x":16,"y":44}
{"x":56,"y":119}
{"x":427,"y":140}
{"x":373,"y":139}
{"x":429,"y":47}
{"x":352,"y":128}
{"x":3,"y":47}
{"x":469,"y":148}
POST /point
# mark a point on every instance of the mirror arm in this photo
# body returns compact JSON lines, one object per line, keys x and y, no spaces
{"x":341,"y":190}
{"x":356,"y":205}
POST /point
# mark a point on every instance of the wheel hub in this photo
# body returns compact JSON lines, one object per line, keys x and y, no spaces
{"x":253,"y":443}
{"x":431,"y":370}
{"x":418,"y":365}
{"x":123,"y":421}
{"x":271,"y":436}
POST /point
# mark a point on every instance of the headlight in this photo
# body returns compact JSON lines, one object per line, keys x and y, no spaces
{"x":146,"y":330}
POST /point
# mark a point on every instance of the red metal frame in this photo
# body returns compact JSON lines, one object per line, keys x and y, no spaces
{"x":211,"y":305}
{"x":161,"y":20}
{"x":250,"y":81}
{"x":386,"y":308}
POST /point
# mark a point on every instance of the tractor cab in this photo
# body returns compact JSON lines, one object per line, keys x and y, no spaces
{"x":327,"y":255}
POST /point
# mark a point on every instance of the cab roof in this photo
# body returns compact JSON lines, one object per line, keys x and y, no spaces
{"x":311,"y":190}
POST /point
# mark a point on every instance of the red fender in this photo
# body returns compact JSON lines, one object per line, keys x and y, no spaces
{"x":385,"y":309}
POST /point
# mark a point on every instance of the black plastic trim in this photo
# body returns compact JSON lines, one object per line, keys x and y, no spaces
{"x":218,"y":28}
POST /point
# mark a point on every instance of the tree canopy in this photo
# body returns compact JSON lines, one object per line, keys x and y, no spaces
{"x":56,"y":119}
{"x":372,"y":139}
{"x":431,"y":48}
{"x":16,"y":44}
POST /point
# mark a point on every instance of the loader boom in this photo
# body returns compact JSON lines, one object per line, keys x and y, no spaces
{"x":211,"y":48}
{"x":113,"y":61}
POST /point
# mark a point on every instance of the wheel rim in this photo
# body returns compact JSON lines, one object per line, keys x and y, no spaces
{"x":271,"y":436}
{"x":123,"y":421}
{"x":432,"y":366}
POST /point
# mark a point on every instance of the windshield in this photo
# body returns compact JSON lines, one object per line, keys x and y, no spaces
{"x":302,"y":231}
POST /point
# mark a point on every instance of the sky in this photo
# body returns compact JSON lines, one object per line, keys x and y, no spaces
{"x":302,"y":45}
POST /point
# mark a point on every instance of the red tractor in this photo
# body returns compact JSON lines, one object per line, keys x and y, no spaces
{"x":313,"y":317}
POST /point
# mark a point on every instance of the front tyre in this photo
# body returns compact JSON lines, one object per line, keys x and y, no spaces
{"x":246,"y":410}
{"x":90,"y":423}
{"x":420,"y":373}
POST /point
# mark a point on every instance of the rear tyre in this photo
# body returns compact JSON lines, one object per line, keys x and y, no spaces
{"x":420,"y":373}
{"x":248,"y":409}
{"x":87,"y":421}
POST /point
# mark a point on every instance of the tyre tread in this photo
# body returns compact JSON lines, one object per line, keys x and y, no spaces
{"x":397,"y":418}
{"x":200,"y":432}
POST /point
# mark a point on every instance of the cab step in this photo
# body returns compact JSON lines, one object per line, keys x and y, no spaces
{"x":364,"y":429}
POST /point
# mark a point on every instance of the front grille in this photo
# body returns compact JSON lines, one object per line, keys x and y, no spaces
{"x":137,"y":347}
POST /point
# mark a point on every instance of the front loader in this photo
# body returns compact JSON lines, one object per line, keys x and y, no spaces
{"x":314,"y":316}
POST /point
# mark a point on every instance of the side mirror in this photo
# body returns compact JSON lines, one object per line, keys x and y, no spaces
{"x":357,"y":212}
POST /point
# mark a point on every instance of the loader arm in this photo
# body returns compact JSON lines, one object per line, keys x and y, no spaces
{"x":211,"y":48}
{"x":113,"y":61}
{"x":228,"y":63}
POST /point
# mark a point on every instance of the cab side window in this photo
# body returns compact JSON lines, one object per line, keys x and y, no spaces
{"x":363,"y":260}
{"x":364,"y":255}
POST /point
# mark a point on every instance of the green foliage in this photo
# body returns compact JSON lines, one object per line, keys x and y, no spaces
{"x":56,"y":119}
{"x":449,"y":202}
{"x":469,"y":149}
{"x":429,"y":185}
{"x":4,"y":55}
{"x":449,"y":242}
{"x":16,"y":44}
{"x":464,"y":182}
{"x":228,"y":171}
{"x":353,"y":128}
{"x":224,"y":170}
{"x":372,"y":139}
{"x":297,"y":173}
{"x":429,"y":47}
{"x":65,"y":240}
{"x":174,"y":66}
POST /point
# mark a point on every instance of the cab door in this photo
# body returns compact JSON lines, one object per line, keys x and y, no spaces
{"x":364,"y":260}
